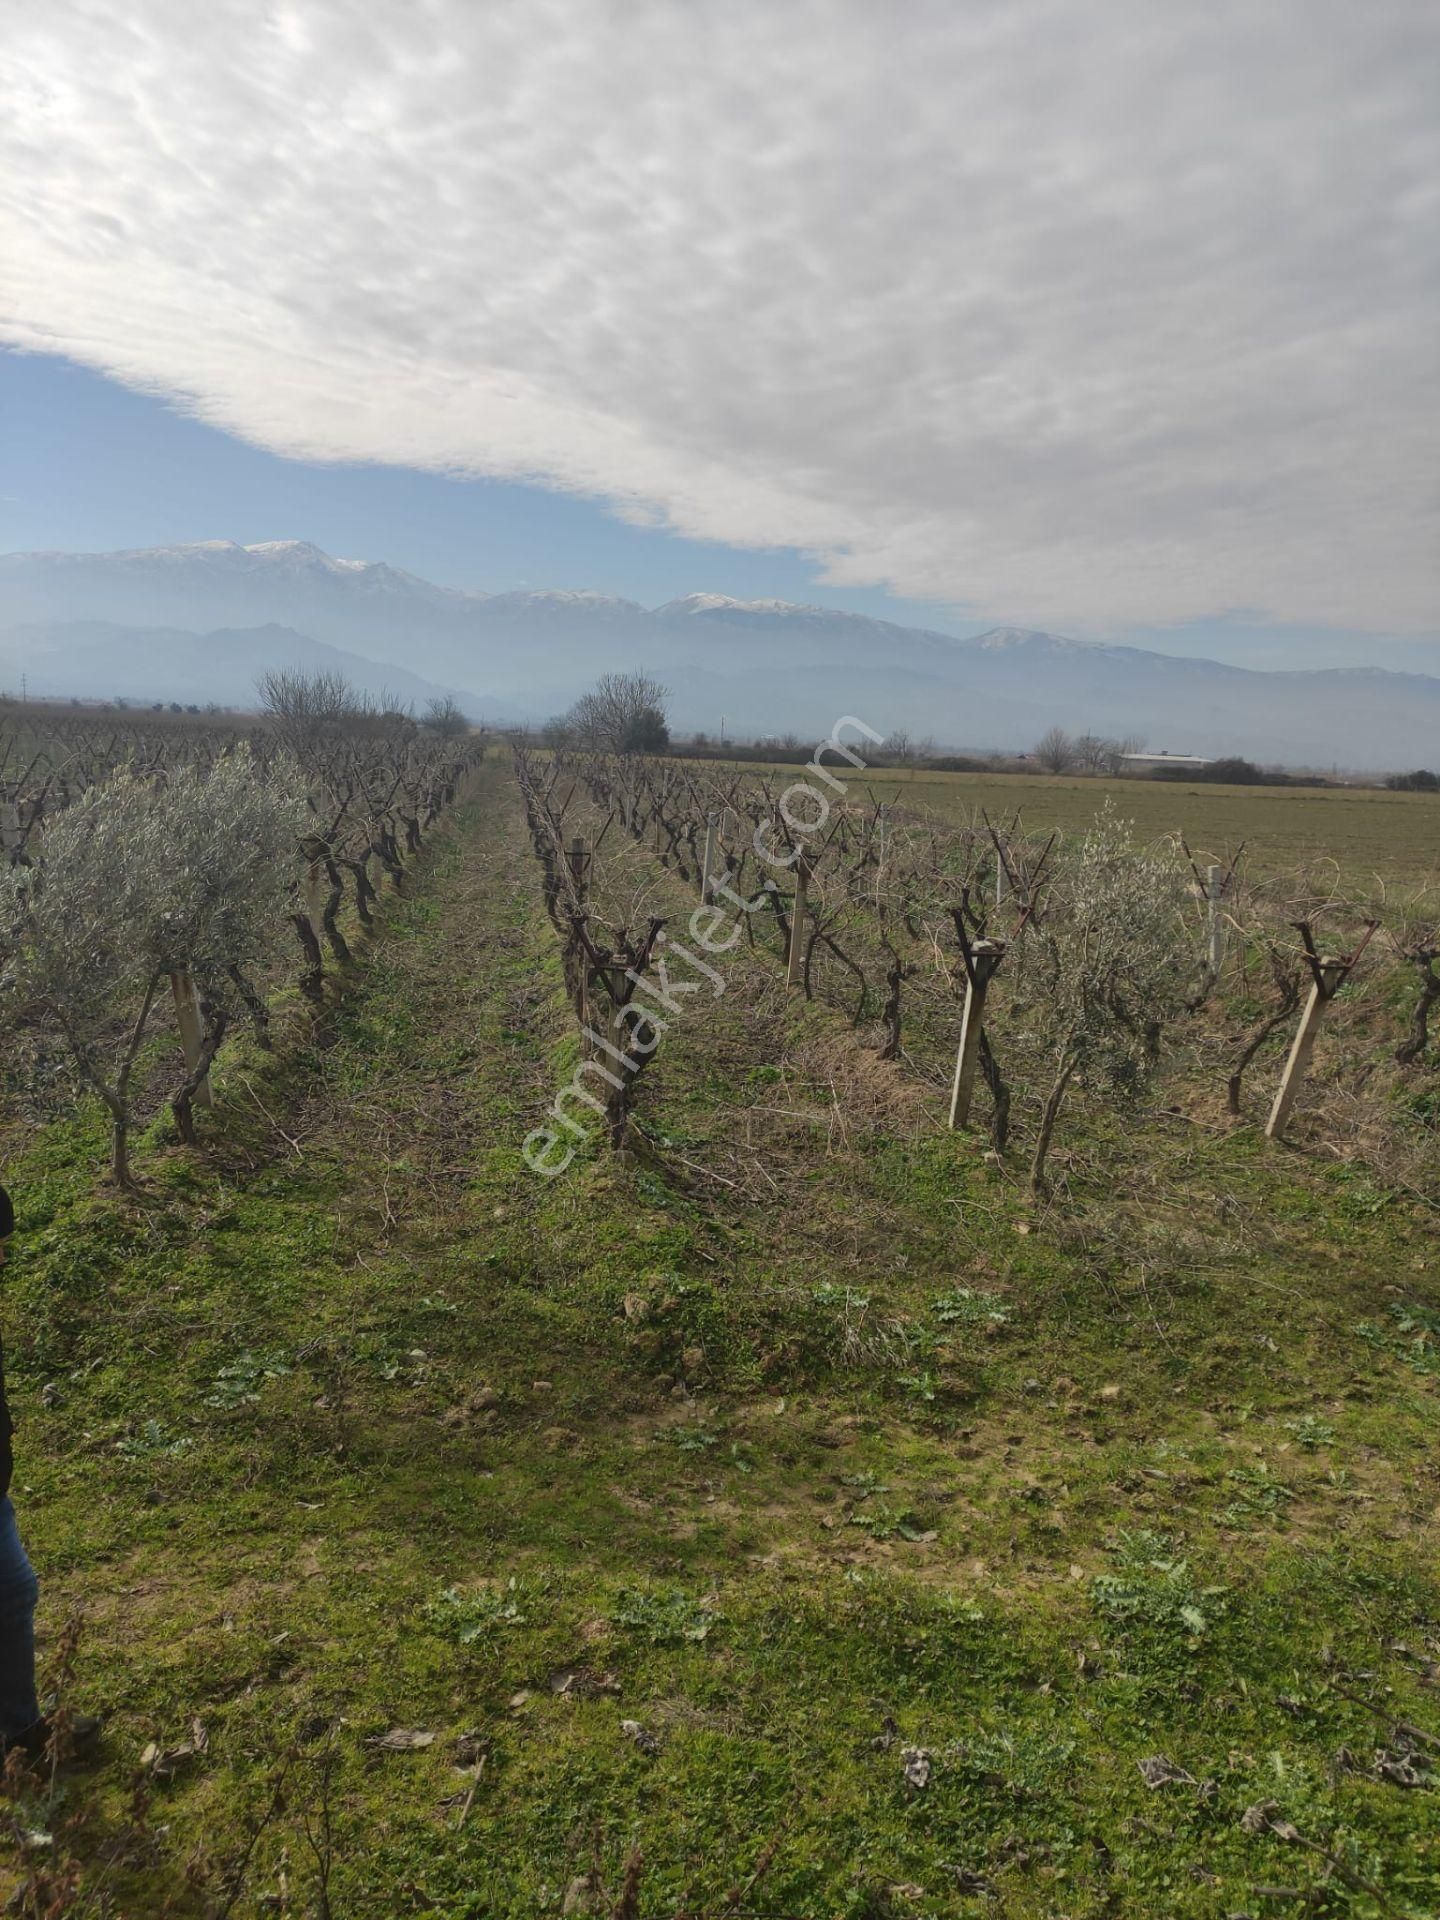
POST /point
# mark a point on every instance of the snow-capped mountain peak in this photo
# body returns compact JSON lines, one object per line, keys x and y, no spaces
{"x":305,"y":553}
{"x":722,"y":603}
{"x":562,"y":597}
{"x":697,"y":603}
{"x":1003,"y":639}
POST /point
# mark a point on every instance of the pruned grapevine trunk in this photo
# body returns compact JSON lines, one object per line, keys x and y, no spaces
{"x":1054,"y":1100}
{"x":364,"y":891}
{"x":1289,"y":1000}
{"x":1418,"y":1037}
{"x":330,"y":914}
{"x":312,"y":974}
{"x":999,"y":1093}
{"x":254,"y":1005}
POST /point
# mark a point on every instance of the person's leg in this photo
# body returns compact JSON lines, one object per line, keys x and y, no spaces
{"x":19,"y":1591}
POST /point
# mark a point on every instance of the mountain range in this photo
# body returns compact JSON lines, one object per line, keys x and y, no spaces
{"x":198,"y":622}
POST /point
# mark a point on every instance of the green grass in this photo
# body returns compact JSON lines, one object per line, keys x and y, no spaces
{"x":804,"y":1445}
{"x":1364,"y":831}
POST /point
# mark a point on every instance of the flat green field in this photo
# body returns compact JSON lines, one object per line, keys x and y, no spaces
{"x":1368,"y":834}
{"x":794,"y":1522}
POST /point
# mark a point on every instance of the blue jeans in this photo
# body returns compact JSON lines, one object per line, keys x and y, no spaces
{"x":19,"y":1591}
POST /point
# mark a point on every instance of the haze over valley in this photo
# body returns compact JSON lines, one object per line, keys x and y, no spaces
{"x":197,"y":623}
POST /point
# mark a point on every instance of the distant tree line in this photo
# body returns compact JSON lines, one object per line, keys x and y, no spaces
{"x":628,"y":713}
{"x":304,"y":704}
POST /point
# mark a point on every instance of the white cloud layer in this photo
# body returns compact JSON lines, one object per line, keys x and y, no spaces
{"x":1084,"y":312}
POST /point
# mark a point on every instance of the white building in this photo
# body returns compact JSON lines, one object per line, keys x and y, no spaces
{"x":1142,"y":762}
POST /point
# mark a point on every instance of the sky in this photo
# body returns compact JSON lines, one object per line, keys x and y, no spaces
{"x":88,"y":465}
{"x":1113,"y":319}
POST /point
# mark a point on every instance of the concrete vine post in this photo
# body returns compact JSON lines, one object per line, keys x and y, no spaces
{"x":1214,"y":920}
{"x":707,"y":860}
{"x":983,"y":961}
{"x":1329,"y":973}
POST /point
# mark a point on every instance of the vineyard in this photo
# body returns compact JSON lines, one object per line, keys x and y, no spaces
{"x":980,"y":954}
{"x":596,"y":1334}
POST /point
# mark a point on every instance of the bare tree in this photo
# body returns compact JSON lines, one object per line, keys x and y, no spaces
{"x":1055,"y":751}
{"x":622,"y":713}
{"x":304,"y":704}
{"x":1095,"y":753}
{"x":443,"y":715}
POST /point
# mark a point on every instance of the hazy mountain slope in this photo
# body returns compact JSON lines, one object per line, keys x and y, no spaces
{"x":93,"y":660}
{"x":763,"y":666}
{"x":201,"y":586}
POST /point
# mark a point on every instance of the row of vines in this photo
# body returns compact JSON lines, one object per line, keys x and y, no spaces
{"x":181,"y":861}
{"x":606,"y":954}
{"x":1010,"y":969}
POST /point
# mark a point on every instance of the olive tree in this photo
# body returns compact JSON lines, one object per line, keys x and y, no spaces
{"x":228,"y":840}
{"x":142,"y":879}
{"x":1103,"y":969}
{"x":68,"y":927}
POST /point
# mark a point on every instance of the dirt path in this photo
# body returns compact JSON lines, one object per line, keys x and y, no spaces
{"x":437,"y":1066}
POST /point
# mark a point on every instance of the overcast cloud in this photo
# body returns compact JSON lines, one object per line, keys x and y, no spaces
{"x":1076,"y":314}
